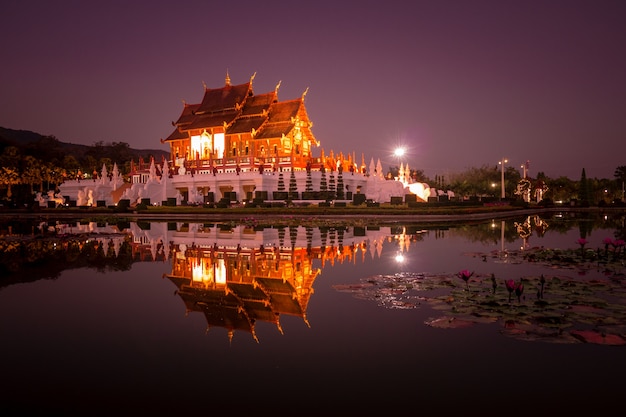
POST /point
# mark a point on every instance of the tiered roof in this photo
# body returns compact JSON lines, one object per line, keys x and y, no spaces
{"x":240,"y":111}
{"x":281,"y":119}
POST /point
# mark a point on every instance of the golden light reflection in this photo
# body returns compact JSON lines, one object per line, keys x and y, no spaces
{"x":238,"y":275}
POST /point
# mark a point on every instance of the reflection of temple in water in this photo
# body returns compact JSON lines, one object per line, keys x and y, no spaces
{"x":238,"y":276}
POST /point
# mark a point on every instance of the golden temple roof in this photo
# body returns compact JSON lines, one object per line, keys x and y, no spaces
{"x":239,"y":110}
{"x":225,"y":98}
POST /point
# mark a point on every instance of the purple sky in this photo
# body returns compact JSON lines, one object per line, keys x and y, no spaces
{"x":460,"y":83}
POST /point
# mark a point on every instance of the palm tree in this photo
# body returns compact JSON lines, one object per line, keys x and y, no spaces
{"x":31,"y":172}
{"x":9,"y":176}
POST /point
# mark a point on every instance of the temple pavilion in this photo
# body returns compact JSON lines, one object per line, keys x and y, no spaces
{"x":238,"y":146}
{"x":232,"y":129}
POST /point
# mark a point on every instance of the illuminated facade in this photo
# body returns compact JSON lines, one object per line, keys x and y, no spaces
{"x":239,"y":276}
{"x":236,"y":146}
{"x":233,"y":129}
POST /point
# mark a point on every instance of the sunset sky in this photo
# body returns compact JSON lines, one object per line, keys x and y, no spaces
{"x":460,"y":83}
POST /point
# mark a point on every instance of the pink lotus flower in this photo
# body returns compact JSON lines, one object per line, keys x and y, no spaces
{"x":510,"y":286}
{"x":465,"y":275}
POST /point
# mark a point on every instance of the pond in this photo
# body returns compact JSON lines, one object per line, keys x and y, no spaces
{"x":179,"y":317}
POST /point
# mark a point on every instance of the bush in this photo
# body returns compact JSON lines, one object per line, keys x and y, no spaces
{"x":546,"y":202}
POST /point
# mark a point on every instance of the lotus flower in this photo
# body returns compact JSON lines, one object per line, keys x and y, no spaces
{"x":519,"y":290}
{"x":582,"y":242}
{"x":465,"y":276}
{"x":510,"y":286}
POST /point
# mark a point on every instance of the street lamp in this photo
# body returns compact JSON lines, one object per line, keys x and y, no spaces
{"x":502,"y":162}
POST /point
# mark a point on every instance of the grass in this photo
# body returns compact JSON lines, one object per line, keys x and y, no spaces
{"x":348,"y":210}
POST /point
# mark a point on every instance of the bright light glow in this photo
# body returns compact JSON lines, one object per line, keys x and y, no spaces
{"x":422,"y":190}
{"x":219,"y":144}
{"x":399,"y":152}
{"x":399,"y":258}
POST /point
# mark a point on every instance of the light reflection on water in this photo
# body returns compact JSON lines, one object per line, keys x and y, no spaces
{"x":256,"y":320}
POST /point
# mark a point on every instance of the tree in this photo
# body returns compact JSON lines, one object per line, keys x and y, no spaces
{"x":293,"y":186}
{"x":561,"y":189}
{"x":9,"y":176}
{"x":332,"y":186}
{"x":418,"y":175}
{"x":11,"y":157}
{"x":31,"y":172}
{"x":71,"y":165}
{"x":340,"y":186}
{"x":47,"y":148}
{"x":10,"y":168}
{"x":323,"y":183}
{"x":51,"y":174}
{"x":281,"y":182}
{"x":583,"y":190}
{"x":620,"y":175}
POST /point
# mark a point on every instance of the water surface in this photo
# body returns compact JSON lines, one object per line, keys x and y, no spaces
{"x":202,"y":318}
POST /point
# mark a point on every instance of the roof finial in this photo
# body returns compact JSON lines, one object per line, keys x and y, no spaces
{"x":277,"y":87}
{"x":304,"y":94}
{"x":227,"y":78}
{"x":203,"y":84}
{"x":252,"y":78}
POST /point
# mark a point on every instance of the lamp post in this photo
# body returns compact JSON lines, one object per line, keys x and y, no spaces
{"x":502,"y":162}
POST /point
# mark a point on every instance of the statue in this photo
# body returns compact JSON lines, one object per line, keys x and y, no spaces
{"x":39,"y":198}
{"x":56,"y":198}
{"x":180,"y":162}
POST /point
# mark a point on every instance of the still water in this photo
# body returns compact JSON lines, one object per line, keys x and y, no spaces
{"x":173,"y":318}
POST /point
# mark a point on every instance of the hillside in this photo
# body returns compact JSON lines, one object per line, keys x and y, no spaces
{"x":26,"y":139}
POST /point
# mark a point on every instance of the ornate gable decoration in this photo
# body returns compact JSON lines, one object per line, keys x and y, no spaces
{"x":237,"y":108}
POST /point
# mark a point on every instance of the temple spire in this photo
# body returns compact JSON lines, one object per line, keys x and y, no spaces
{"x":227,"y":78}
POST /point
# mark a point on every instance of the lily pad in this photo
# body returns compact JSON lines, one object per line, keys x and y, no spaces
{"x":563,"y":311}
{"x":592,"y":336}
